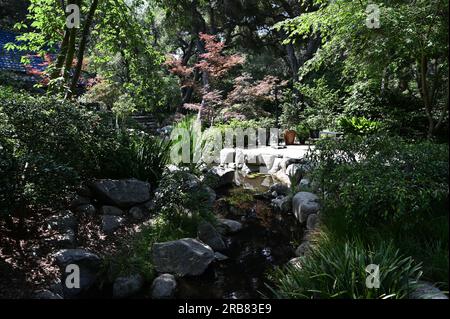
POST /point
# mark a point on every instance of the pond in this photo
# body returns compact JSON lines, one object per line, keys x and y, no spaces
{"x":266,"y":241}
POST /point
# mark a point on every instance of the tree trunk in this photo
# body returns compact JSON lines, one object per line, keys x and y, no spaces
{"x":61,"y":56}
{"x":70,"y":54}
{"x":82,"y":47}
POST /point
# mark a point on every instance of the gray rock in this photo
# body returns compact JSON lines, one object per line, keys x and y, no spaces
{"x":46,"y":294}
{"x":164,"y":287}
{"x":89,"y":265}
{"x":305,"y":204}
{"x":209,"y":235}
{"x":283,"y":177}
{"x":280,"y":189}
{"x":303,"y":249}
{"x":245,"y":169}
{"x":223,"y":176}
{"x":211,"y":194}
{"x":88,"y":210}
{"x":184,"y":257}
{"x":276,"y":165}
{"x":111,"y":211}
{"x":122,"y":193}
{"x":305,"y":183}
{"x":295,"y":173}
{"x":124,"y":287}
{"x":296,"y":262}
{"x":192,"y":181}
{"x":283,"y":204}
{"x":137,"y":213}
{"x":111,"y":223}
{"x":172,"y":168}
{"x":220,"y":257}
{"x":312,"y":222}
{"x":230,"y":226}
{"x":427,"y":290}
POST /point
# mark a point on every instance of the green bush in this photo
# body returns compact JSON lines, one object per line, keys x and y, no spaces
{"x":338,"y":270}
{"x":358,"y":126}
{"x":48,"y":146}
{"x":134,"y":154}
{"x":380,"y":180}
{"x":183,"y":200}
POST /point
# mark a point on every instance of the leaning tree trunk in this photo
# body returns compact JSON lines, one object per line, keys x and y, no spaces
{"x":82,"y":48}
{"x":70,"y":54}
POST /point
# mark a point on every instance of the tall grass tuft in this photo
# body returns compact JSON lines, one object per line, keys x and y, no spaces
{"x":338,"y":270}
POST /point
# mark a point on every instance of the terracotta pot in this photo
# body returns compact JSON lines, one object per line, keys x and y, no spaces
{"x":289,"y":137}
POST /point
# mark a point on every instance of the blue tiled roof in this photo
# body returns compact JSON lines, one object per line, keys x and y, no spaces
{"x":11,"y":60}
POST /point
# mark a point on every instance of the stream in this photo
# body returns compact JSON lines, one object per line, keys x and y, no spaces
{"x":265,"y":242}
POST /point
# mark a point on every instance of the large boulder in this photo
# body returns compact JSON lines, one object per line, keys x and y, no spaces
{"x":221,"y":176}
{"x":209,"y":235}
{"x":89,"y":265}
{"x":305,"y":204}
{"x":138,"y":213}
{"x":282,"y":177}
{"x":277,"y":165}
{"x":184,"y":257}
{"x":228,"y":226}
{"x":210,"y":193}
{"x":295,"y":173}
{"x":122,"y":193}
{"x":164,"y":287}
{"x":268,"y":161}
{"x":124,"y":287}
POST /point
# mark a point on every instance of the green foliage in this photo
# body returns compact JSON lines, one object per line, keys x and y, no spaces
{"x":134,"y":154}
{"x":133,"y":257}
{"x":183,"y":200}
{"x":47,"y":146}
{"x":302,"y":132}
{"x":188,"y":128}
{"x":382,"y":179}
{"x":358,"y":126}
{"x":367,"y":66}
{"x":337,"y":270}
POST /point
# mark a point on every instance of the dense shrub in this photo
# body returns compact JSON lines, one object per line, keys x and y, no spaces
{"x":134,"y":154}
{"x":338,"y":270}
{"x":182,"y":199}
{"x":48,"y":146}
{"x":358,"y":125}
{"x":382,"y":179}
